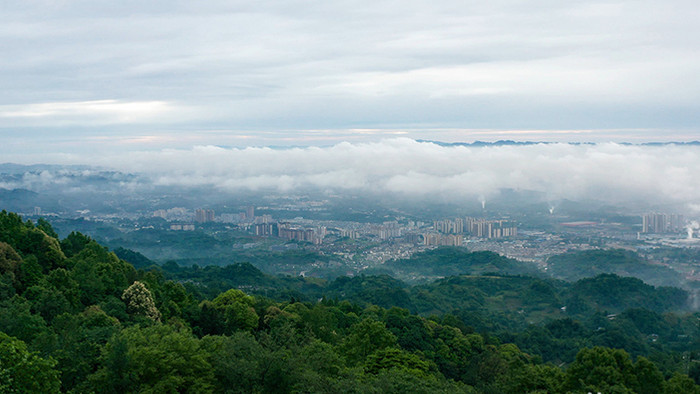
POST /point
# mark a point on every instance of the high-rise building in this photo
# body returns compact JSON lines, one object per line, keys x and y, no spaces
{"x":263,"y":219}
{"x":291,"y":232}
{"x":250,"y":213}
{"x":451,"y":240}
{"x":265,"y":228}
{"x":459,"y":226}
{"x":443,"y":226}
{"x":161,"y":213}
{"x":352,"y":234}
{"x":204,"y":215}
{"x":676,"y":222}
{"x":387,"y":230}
{"x":491,"y":228}
{"x":413,"y":238}
{"x":661,"y":223}
{"x":174,"y":214}
{"x":431,"y":239}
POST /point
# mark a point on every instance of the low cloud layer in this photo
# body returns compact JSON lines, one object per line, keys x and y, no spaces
{"x":665,"y":174}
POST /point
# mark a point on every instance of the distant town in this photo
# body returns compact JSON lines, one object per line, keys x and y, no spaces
{"x":357,"y":246}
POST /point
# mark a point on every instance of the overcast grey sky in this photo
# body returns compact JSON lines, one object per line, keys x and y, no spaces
{"x":87,"y":76}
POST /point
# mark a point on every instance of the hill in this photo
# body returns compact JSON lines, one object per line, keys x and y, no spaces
{"x":585,"y":264}
{"x":449,"y":261}
{"x":74,"y":317}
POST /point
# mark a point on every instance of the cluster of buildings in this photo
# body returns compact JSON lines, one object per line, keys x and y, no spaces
{"x":293,"y":232}
{"x":386,"y":230}
{"x":434,"y":239}
{"x":289,"y":231}
{"x":348,"y":233}
{"x":186,"y":218}
{"x":443,"y":232}
{"x":182,"y":227}
{"x":448,"y":232}
{"x":265,"y":226}
{"x":481,"y":228}
{"x":174,"y":214}
{"x":247,"y":216}
{"x":262,"y":225}
{"x":660,"y":223}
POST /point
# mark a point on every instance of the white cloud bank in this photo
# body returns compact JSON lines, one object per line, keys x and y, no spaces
{"x":404,"y":167}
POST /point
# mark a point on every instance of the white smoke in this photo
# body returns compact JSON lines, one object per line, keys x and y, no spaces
{"x":482,"y":200}
{"x":691,"y":227}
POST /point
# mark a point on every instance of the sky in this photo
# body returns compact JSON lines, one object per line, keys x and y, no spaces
{"x":104,"y":77}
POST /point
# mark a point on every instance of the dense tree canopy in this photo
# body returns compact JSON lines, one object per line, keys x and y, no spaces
{"x":74,"y":317}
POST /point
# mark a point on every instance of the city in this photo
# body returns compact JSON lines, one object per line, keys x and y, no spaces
{"x":317,"y":196}
{"x":346,"y":247}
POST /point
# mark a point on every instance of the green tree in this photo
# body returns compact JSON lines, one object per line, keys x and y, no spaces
{"x":238,"y":362}
{"x":680,"y":384}
{"x":601,"y":369}
{"x":539,"y":378}
{"x":22,"y":371}
{"x":410,"y":330}
{"x":79,"y":342}
{"x":62,"y":281}
{"x":319,"y":367}
{"x":30,"y":272}
{"x":9,"y":261}
{"x":390,"y":358}
{"x":47,"y":302}
{"x":323,"y":322}
{"x":74,"y":243}
{"x":44,"y":225}
{"x":396,"y":380}
{"x":649,"y":379}
{"x":16,"y":319}
{"x":237,"y":310}
{"x":46,"y":249}
{"x":156,"y":359}
{"x":100,"y":274}
{"x":365,"y":338}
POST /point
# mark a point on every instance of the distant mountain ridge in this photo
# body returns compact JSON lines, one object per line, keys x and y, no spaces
{"x":523,"y":143}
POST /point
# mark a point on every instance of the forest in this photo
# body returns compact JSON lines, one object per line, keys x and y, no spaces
{"x":78,"y":318}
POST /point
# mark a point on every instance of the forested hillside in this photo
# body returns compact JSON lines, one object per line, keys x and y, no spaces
{"x":448,"y":261}
{"x":587,"y":263}
{"x":76,"y":318}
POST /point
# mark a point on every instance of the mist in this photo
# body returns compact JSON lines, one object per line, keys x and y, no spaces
{"x":616,"y":173}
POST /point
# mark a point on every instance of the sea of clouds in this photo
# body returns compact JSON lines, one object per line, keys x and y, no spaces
{"x":618,"y":173}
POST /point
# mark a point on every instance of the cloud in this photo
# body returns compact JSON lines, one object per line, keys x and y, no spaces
{"x":407,"y":168}
{"x":340,"y":65}
{"x":88,"y":112}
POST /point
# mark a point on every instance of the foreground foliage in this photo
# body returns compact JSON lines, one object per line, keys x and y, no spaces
{"x":76,"y":318}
